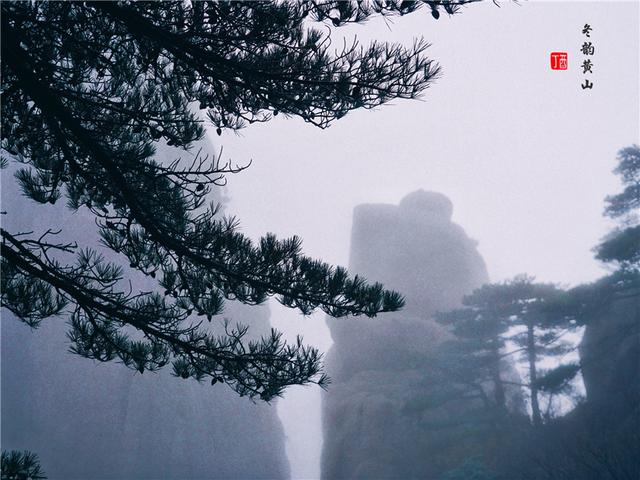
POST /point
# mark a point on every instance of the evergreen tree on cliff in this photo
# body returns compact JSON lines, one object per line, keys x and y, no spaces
{"x":88,"y":87}
{"x":525,"y":314}
{"x":620,"y":248}
{"x":599,"y":439}
{"x":622,"y":245}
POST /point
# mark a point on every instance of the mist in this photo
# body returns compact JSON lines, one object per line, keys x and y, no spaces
{"x":508,"y":164}
{"x":524,"y":154}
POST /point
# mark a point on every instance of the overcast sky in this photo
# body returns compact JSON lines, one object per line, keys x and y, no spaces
{"x":522,"y":151}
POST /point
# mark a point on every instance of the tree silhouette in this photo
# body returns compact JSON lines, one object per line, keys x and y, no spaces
{"x":88,"y":87}
{"x":619,"y":249}
{"x":16,"y":465}
{"x":622,"y":245}
{"x":525,"y":314}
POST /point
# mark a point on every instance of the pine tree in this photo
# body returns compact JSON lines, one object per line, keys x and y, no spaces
{"x":516,"y":313}
{"x":622,"y":246}
{"x":88,"y":87}
{"x":17,"y":465}
{"x":480,"y":328}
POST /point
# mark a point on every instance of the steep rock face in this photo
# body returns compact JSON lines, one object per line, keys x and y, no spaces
{"x":599,"y":438}
{"x":415,"y":249}
{"x":202,"y":432}
{"x":102,"y":421}
{"x":88,"y":420}
{"x":610,"y":357}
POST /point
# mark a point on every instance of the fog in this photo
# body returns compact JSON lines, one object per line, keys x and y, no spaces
{"x":523,"y":153}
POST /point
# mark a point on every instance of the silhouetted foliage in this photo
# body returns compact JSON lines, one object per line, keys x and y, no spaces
{"x":621,"y":249}
{"x":626,"y":203}
{"x":599,"y":438}
{"x":21,"y":466}
{"x":88,"y":87}
{"x":622,"y":246}
{"x":517,"y":313}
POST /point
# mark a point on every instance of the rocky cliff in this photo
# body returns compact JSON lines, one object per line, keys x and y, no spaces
{"x":416,"y":249}
{"x":88,"y":420}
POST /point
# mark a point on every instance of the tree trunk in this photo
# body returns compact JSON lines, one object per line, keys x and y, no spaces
{"x":533,"y":376}
{"x":498,"y":392}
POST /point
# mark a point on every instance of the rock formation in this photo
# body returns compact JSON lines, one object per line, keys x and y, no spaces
{"x":416,"y":249}
{"x":88,"y":420}
{"x":610,"y":357}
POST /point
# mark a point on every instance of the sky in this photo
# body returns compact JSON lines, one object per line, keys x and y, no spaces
{"x":524,"y":153}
